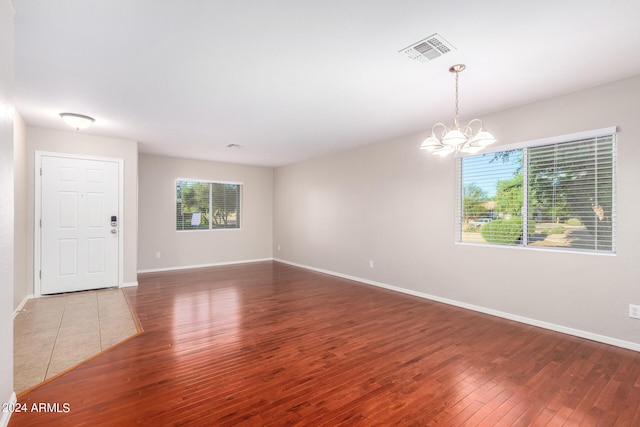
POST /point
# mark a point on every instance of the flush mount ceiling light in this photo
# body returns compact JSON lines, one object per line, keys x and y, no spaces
{"x":77,"y":121}
{"x":444,"y":140}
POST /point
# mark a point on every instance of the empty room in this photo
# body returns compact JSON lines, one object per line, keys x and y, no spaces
{"x":268,"y":213}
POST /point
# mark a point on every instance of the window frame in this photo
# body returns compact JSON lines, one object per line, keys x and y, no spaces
{"x":207,"y":181}
{"x":610,"y":131}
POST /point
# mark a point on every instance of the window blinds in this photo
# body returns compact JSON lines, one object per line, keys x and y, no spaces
{"x":571,"y":197}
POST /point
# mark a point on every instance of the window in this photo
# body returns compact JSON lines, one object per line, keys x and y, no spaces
{"x":202,"y":205}
{"x":563,"y":187}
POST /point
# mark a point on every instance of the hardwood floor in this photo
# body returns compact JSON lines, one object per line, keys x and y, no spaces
{"x":270,"y":344}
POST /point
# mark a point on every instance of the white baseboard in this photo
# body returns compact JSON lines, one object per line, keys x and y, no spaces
{"x":5,"y":416}
{"x":216,"y":264}
{"x":534,"y":322}
{"x":21,"y":305}
{"x":129,"y":284}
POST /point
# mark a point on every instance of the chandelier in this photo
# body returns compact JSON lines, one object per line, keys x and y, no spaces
{"x":444,"y":140}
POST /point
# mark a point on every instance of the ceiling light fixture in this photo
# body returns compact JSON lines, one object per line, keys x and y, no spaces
{"x":77,"y":121}
{"x":457,"y":139}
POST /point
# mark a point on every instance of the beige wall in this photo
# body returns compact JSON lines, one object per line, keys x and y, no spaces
{"x":195,"y":248}
{"x":395,"y":205}
{"x":6,"y":206}
{"x":80,"y":143}
{"x":22,"y":287}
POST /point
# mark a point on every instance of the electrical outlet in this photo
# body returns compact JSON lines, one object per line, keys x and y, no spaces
{"x":370,"y":263}
{"x":158,"y":255}
{"x":634,"y":311}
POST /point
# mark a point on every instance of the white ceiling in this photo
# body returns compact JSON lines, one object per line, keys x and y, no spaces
{"x":296,"y":79}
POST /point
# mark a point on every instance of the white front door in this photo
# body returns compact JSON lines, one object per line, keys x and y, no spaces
{"x":79,"y":242}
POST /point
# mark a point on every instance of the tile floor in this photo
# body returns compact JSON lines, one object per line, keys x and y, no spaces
{"x":52,"y":334}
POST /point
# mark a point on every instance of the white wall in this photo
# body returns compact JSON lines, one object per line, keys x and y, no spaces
{"x":395,"y":205}
{"x":253,"y":241}
{"x":6,"y":205}
{"x":81,"y":143}
{"x":22,"y":287}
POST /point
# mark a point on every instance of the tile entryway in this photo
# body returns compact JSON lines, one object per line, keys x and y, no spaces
{"x":53,"y":334}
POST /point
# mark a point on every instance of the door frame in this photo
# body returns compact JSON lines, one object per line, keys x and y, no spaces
{"x":37,"y":244}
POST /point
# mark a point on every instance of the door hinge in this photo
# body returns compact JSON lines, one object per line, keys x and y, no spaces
{"x":40,"y":171}
{"x":41,"y":274}
{"x":40,"y":222}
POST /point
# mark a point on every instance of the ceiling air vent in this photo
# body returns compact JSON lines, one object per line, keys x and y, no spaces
{"x":428,"y":49}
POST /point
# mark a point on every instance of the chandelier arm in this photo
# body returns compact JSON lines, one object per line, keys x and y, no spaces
{"x":476,"y":121}
{"x":467,"y":131}
{"x":444,"y":130}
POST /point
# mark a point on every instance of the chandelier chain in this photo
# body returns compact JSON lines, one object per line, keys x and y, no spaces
{"x":456,"y":118}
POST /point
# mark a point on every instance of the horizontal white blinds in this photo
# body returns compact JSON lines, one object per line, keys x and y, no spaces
{"x":565,"y":191}
{"x":571,"y":194}
{"x":225,"y":205}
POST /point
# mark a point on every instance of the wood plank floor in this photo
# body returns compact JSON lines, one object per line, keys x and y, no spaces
{"x":270,"y":344}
